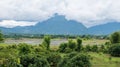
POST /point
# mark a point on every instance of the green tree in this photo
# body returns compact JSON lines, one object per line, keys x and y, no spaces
{"x":75,"y":60}
{"x":71,"y":44}
{"x":54,"y":59}
{"x":30,"y":60}
{"x":1,"y":37}
{"x":46,"y":42}
{"x":87,"y":48}
{"x":24,"y":48}
{"x":80,"y":60}
{"x":115,"y":37}
{"x":79,"y":45}
{"x":94,"y":48}
{"x":114,"y":50}
{"x":62,"y":47}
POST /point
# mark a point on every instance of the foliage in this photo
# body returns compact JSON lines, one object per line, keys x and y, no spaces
{"x":88,"y":48}
{"x":115,"y":37}
{"x":79,"y":45}
{"x":1,"y":37}
{"x":54,"y":59}
{"x":33,"y":61}
{"x":75,"y":60}
{"x":71,"y":44}
{"x":46,"y":42}
{"x":24,"y":48}
{"x":94,"y":48}
{"x":80,"y":60}
{"x":62,"y":47}
{"x":114,"y":50}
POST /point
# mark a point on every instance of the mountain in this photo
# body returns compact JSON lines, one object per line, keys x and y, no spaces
{"x":105,"y":28}
{"x":60,"y":25}
{"x":55,"y":25}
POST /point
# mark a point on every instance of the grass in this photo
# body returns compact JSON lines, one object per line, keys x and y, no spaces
{"x":104,"y":60}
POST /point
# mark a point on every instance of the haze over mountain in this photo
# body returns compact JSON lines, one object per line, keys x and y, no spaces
{"x":60,"y":25}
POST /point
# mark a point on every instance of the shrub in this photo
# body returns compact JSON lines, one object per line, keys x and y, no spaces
{"x":80,"y":60}
{"x":1,"y":37}
{"x":75,"y":60}
{"x":114,"y":50}
{"x":46,"y":42}
{"x":115,"y":37}
{"x":54,"y":59}
{"x":79,"y":45}
{"x":87,"y":48}
{"x":10,"y":62}
{"x":24,"y":48}
{"x":33,"y":61}
{"x":62,"y":47}
{"x":71,"y":44}
{"x":94,"y":48}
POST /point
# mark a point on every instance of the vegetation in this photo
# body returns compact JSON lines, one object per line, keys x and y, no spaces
{"x":1,"y":37}
{"x":69,"y":54}
{"x":115,"y":38}
{"x":114,"y":50}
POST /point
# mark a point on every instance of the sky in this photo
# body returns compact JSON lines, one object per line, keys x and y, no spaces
{"x":29,"y":12}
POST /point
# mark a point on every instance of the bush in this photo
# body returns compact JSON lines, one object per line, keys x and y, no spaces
{"x":62,"y":47}
{"x":71,"y":44}
{"x":10,"y":62}
{"x":87,"y":48}
{"x":79,"y":45}
{"x":46,"y":42}
{"x":33,"y":61}
{"x":80,"y":60}
{"x":115,"y":37}
{"x":94,"y":48}
{"x":114,"y":50}
{"x":24,"y":48}
{"x":54,"y":59}
{"x":1,"y":37}
{"x":75,"y":60}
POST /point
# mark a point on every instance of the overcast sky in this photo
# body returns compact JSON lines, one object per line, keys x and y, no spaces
{"x":29,"y":12}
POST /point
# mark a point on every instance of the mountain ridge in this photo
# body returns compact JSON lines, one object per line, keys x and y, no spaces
{"x":58,"y":24}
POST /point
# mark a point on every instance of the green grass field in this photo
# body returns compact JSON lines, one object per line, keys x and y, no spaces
{"x":104,"y":60}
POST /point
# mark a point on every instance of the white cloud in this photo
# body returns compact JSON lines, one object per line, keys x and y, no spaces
{"x":88,"y":12}
{"x":12,"y":23}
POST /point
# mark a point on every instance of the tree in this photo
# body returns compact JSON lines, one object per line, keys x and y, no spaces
{"x":87,"y":48}
{"x":24,"y":48}
{"x":46,"y":42}
{"x":75,"y":60}
{"x":1,"y":37}
{"x":62,"y":47}
{"x":30,"y":60}
{"x":71,"y":44}
{"x":54,"y":59}
{"x":115,"y":37}
{"x":94,"y":48}
{"x":114,"y":50}
{"x":80,"y":60}
{"x":79,"y":45}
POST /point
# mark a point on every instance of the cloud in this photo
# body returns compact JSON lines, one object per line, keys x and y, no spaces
{"x":88,"y":12}
{"x":12,"y":23}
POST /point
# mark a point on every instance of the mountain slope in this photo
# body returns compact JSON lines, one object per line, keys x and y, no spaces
{"x":55,"y":25}
{"x":104,"y":28}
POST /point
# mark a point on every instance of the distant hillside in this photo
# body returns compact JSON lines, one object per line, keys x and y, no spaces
{"x":105,"y":28}
{"x":55,"y":25}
